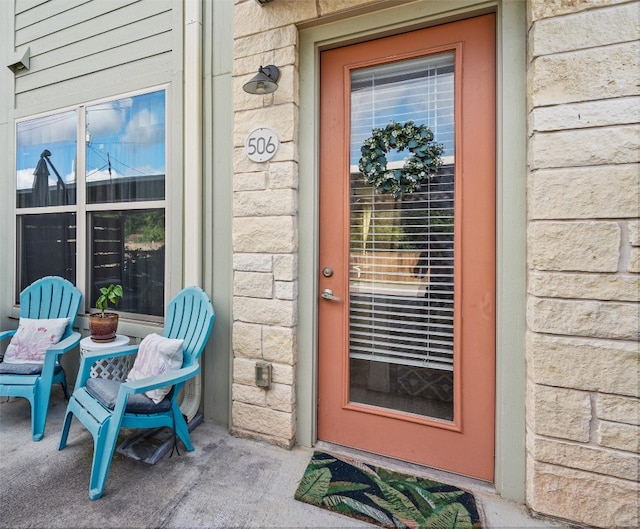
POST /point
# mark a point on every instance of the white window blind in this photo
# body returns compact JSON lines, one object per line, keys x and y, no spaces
{"x":420,"y":90}
{"x":401,"y":250}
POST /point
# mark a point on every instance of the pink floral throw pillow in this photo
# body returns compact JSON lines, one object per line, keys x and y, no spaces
{"x":32,"y":339}
{"x":156,"y":355}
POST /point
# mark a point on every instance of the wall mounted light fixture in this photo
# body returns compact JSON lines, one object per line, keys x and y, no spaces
{"x":20,"y":61}
{"x":264,"y":82}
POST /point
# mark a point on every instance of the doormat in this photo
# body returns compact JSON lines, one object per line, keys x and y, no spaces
{"x":383,"y":497}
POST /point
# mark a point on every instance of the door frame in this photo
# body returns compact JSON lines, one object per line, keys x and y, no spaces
{"x":510,"y":212}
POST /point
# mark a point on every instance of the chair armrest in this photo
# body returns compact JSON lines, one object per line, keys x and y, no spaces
{"x":7,"y":334}
{"x":169,"y":378}
{"x":55,"y":351}
{"x":65,"y":345}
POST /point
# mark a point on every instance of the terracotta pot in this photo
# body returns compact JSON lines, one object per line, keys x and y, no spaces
{"x":103,"y":329}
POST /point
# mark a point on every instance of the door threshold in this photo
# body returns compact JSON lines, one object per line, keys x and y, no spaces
{"x":414,"y":469}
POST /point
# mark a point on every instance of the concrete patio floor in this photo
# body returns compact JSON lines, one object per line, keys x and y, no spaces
{"x":226,"y":482}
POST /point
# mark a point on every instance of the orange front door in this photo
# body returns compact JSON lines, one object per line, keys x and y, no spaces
{"x":407,"y":305}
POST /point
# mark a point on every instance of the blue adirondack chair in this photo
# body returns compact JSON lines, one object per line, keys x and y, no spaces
{"x":49,"y":297}
{"x":109,"y":405}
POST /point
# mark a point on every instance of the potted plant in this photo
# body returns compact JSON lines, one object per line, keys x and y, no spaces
{"x":103,"y":325}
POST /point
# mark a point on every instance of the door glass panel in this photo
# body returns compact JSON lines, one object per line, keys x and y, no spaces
{"x":401,"y":277}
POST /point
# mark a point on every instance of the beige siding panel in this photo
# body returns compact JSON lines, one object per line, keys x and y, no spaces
{"x":138,"y":75}
{"x":132,"y":19}
{"x":117,"y":38}
{"x":136,"y":51}
{"x":56,"y":16}
{"x":25,"y":5}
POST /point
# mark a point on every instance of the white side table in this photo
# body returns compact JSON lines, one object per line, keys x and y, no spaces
{"x":114,"y":368}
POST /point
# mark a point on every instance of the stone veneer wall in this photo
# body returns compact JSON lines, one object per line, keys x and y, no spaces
{"x":265,"y":224}
{"x":583,"y":408}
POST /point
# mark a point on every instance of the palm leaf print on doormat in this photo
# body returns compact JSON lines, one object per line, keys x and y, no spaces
{"x":383,"y":497}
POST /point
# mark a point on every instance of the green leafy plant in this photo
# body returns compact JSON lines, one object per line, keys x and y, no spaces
{"x":109,"y":295}
{"x":424,"y":160}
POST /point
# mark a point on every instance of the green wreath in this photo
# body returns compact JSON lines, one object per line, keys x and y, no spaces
{"x":424,"y":161}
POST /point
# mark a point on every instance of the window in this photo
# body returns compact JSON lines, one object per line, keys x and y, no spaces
{"x":91,"y":199}
{"x":401,"y":281}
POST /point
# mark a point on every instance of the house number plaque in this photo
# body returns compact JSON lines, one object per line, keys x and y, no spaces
{"x":261,"y":145}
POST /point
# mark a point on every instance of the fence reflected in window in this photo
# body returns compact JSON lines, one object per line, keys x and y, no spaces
{"x":128,"y":248}
{"x":47,"y":246}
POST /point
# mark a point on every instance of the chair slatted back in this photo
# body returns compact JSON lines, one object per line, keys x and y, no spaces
{"x":51,"y":297}
{"x":190,"y":317}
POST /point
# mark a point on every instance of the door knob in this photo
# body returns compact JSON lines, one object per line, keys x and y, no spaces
{"x":327,"y":294}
